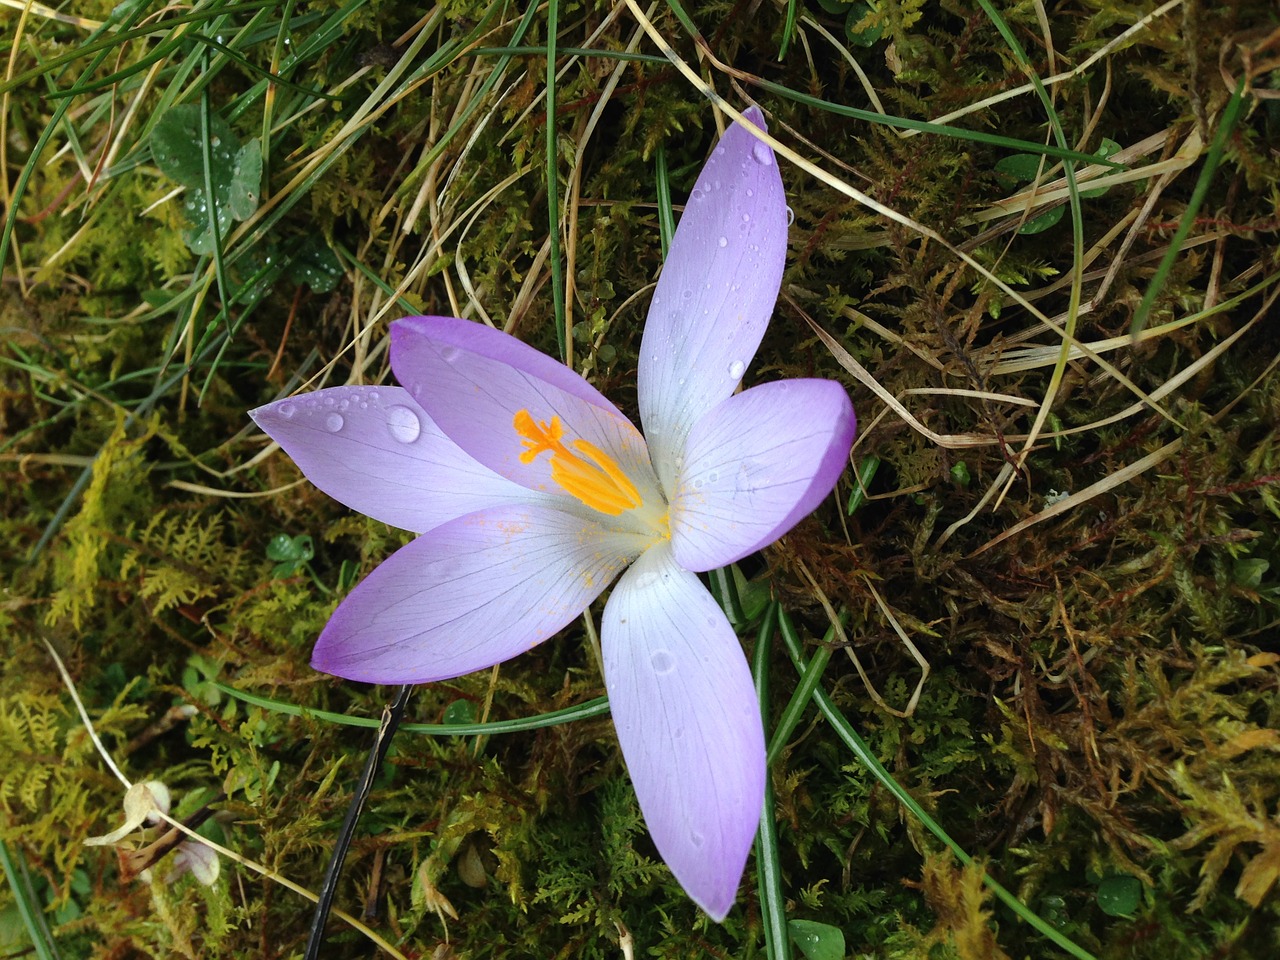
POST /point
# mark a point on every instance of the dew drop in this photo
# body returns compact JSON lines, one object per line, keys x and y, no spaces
{"x":287,"y":410}
{"x":746,"y":218}
{"x":791,"y":216}
{"x":696,"y":838}
{"x":333,"y":422}
{"x":373,"y":394}
{"x":403,"y":424}
{"x":713,"y":476}
{"x":750,"y":192}
{"x":762,"y":154}
{"x":687,"y":294}
{"x":662,"y":662}
{"x":449,"y":354}
{"x":736,"y":369}
{"x":723,"y":241}
{"x":646,"y":580}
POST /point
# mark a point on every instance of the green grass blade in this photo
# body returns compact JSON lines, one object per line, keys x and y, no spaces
{"x":583,"y":711}
{"x":666,"y":216}
{"x":1230,"y":115}
{"x":553,"y":183}
{"x":24,"y":897}
{"x":773,"y":901}
{"x":794,"y":711}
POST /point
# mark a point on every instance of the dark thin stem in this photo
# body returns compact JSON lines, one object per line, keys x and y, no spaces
{"x":392,"y":714}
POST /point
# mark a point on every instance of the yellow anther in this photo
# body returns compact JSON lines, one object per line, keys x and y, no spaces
{"x":597,"y":481}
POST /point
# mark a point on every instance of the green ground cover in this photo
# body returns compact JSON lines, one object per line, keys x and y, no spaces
{"x":1032,"y":638}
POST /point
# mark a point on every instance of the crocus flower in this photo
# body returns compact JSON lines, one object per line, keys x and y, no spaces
{"x":532,"y":492}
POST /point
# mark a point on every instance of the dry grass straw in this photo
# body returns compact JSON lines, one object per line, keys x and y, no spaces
{"x":181,"y":827}
{"x":1024,"y":350}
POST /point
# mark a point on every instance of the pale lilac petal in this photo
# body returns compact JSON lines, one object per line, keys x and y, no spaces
{"x":685,"y":709}
{"x":755,"y":466}
{"x":716,"y":292}
{"x":472,"y":380}
{"x":471,"y":593}
{"x":376,"y":451}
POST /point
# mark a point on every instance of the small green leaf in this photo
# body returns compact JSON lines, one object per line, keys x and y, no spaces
{"x":1247,"y":572}
{"x":817,"y":941}
{"x":960,"y":474}
{"x":1020,"y":167}
{"x":1119,"y":896}
{"x":291,"y":553}
{"x":316,"y":266}
{"x":199,"y":237}
{"x":1043,"y":222}
{"x":1103,"y":152}
{"x":460,"y":711}
{"x":178,"y":147}
{"x":246,"y":181}
{"x":867,"y":36}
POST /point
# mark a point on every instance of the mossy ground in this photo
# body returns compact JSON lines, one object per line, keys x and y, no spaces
{"x":1099,"y":726}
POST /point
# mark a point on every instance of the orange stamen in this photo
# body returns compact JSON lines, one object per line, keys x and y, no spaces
{"x":600,"y":483}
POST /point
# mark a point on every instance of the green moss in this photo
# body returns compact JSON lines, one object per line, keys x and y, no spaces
{"x":1100,"y":702}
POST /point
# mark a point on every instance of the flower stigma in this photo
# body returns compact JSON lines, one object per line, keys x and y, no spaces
{"x":597,"y":480}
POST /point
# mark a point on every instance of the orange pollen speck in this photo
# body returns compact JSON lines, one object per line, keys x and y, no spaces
{"x":589,"y":474}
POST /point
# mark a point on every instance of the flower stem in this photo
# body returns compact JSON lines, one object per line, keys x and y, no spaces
{"x":392,"y":714}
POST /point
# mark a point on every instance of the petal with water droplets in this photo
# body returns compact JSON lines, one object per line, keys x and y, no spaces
{"x":716,"y":292}
{"x":376,"y":451}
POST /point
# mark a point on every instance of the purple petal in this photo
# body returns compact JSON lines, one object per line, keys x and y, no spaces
{"x":473,"y":380}
{"x":716,"y":292}
{"x":685,"y":708}
{"x":469,"y":594}
{"x":755,"y":466}
{"x":376,"y":451}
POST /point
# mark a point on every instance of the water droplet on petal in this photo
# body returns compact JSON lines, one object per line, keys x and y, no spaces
{"x":750,"y":192}
{"x":333,"y":422}
{"x":662,"y":662}
{"x":449,"y":354}
{"x":287,"y":410}
{"x":403,"y":424}
{"x":746,"y":218}
{"x":696,"y":838}
{"x":723,"y":241}
{"x":762,"y":154}
{"x":646,"y":580}
{"x":736,"y":369}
